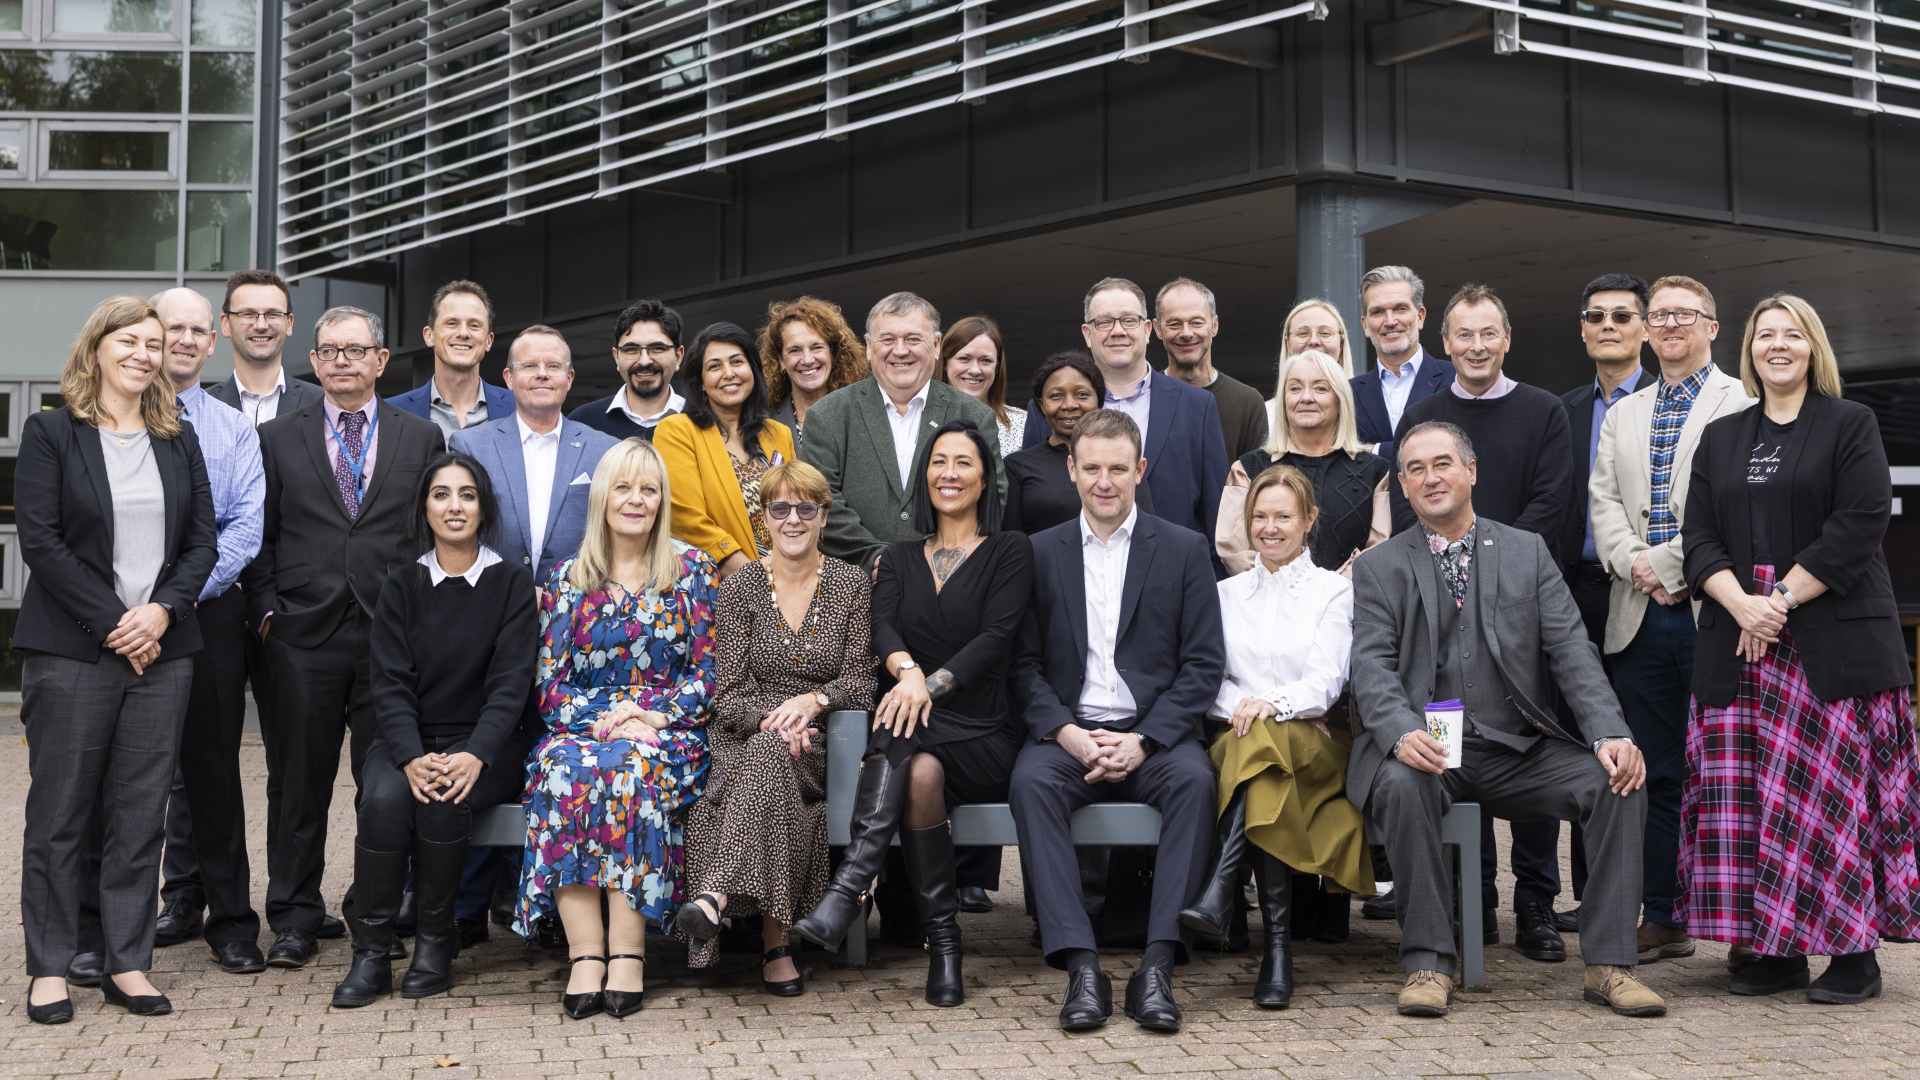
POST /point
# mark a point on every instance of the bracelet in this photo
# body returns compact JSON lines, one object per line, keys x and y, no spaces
{"x":1781,"y":588}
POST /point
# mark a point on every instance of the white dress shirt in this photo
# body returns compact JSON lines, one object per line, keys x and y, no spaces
{"x":906,"y":430}
{"x":1105,"y":698}
{"x":1395,"y":389}
{"x":1289,"y":634}
{"x":675,"y":404}
{"x":436,"y":575}
{"x":541,"y":453}
{"x":261,"y":408}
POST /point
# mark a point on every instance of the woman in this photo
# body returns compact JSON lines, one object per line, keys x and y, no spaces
{"x":1311,"y":427}
{"x":973,"y":359}
{"x":1289,"y":628}
{"x":796,"y":642}
{"x":452,"y":657}
{"x":807,"y":351}
{"x":116,"y":527}
{"x":1799,"y":816}
{"x":1316,"y":324}
{"x":1040,"y":494}
{"x":718,"y":448}
{"x":623,"y":680}
{"x":945,"y":614}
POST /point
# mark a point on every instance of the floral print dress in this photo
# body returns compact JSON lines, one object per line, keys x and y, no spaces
{"x":608,"y":814}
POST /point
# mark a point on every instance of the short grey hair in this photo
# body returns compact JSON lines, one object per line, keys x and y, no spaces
{"x":904,"y":303}
{"x":1460,"y":440}
{"x":1110,"y":283}
{"x":1388,"y":275}
{"x":344,"y":312}
{"x":1184,"y":283}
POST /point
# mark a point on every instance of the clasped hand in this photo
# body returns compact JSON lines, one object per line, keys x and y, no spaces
{"x":629,"y":721}
{"x":792,"y":720}
{"x":1110,"y":756}
{"x":1761,"y":620}
{"x":443,"y":777}
{"x":1648,"y":582}
{"x":137,"y":635}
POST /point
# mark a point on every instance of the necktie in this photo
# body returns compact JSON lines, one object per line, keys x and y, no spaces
{"x":1456,"y":563}
{"x":346,"y":473}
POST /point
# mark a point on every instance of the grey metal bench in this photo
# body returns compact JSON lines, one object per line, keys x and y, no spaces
{"x":500,"y":826}
{"x":1120,"y":824}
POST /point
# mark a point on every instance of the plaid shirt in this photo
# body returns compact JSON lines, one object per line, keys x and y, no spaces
{"x":1671,"y":403}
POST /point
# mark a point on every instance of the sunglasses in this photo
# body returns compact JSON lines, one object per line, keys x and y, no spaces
{"x":1595,"y":316}
{"x":805,"y":511}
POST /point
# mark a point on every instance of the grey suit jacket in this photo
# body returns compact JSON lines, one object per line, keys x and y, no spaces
{"x":298,"y":395}
{"x":847,"y":438}
{"x":1527,"y":618}
{"x":496,"y":444}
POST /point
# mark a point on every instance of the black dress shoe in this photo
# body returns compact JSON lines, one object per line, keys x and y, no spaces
{"x":1535,"y":935}
{"x":137,"y":1004}
{"x":1759,"y":976}
{"x":471,"y":932}
{"x":1377,"y":908}
{"x":86,"y":969}
{"x":581,"y":1006}
{"x":793,"y":987}
{"x":1567,"y":922}
{"x":331,"y":929}
{"x":1150,"y":1000}
{"x":1089,"y":1000}
{"x":291,"y":949}
{"x":1848,"y":980}
{"x":239,"y":958}
{"x":974,"y":900}
{"x":177,"y":923}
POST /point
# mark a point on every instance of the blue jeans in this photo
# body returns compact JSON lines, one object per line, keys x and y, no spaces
{"x":1653,"y":677}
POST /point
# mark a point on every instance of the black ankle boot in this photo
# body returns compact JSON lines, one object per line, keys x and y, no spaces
{"x":929,"y":854}
{"x":1848,"y":980}
{"x":378,"y":877}
{"x":436,"y":878}
{"x":1211,"y":917}
{"x":1274,"y":881}
{"x":877,"y":805}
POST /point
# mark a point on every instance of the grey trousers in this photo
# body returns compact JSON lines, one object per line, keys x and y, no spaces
{"x":101,"y":741}
{"x":1556,"y":779}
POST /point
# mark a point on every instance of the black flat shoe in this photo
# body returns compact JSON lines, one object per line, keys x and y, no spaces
{"x":694,"y":923}
{"x":581,"y":1006}
{"x":1848,"y":980}
{"x":52,"y":1012}
{"x":86,"y":969}
{"x":1150,"y":1000}
{"x":1763,"y":975}
{"x":624,"y":1003}
{"x":331,"y":929}
{"x":1089,"y":1000}
{"x":138,"y":1005}
{"x":291,"y":949}
{"x":239,"y":958}
{"x":974,"y":900}
{"x":793,"y":987}
{"x":1536,"y":936}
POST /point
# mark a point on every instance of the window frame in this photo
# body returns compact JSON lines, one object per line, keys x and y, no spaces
{"x":48,"y":33}
{"x":142,"y":178}
{"x":27,"y":148}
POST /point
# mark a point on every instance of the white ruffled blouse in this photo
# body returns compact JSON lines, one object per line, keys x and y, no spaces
{"x":1289,"y":634}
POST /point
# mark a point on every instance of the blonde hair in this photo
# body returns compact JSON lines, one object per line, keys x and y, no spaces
{"x":1286,"y":333}
{"x":799,"y":478}
{"x":1346,"y":432}
{"x":80,"y":379}
{"x":1282,"y":476}
{"x":633,"y":459}
{"x":1823,"y":368}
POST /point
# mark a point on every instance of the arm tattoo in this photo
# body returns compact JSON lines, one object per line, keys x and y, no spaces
{"x":940,"y":684}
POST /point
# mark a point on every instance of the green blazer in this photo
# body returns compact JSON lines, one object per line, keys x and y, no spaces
{"x":847,"y":438}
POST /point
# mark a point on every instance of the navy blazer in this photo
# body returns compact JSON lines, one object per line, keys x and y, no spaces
{"x":419,"y":400}
{"x":1171,"y":650}
{"x":496,"y":444}
{"x":1370,"y":401}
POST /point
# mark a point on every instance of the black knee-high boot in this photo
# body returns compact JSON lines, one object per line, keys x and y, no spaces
{"x":877,"y":806}
{"x":1274,"y":882}
{"x":1211,"y":916}
{"x":379,"y":877}
{"x":929,"y":855}
{"x":436,"y":878}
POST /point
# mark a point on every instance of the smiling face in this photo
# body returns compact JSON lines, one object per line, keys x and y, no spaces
{"x":1312,"y":404}
{"x":1782,"y":353}
{"x":1065,"y":398}
{"x":1277,"y":525}
{"x":540,"y":373}
{"x":453,"y":506}
{"x":1315,"y":328}
{"x":1393,"y":321}
{"x":1611,"y":341}
{"x":1107,"y":472}
{"x":726,"y":374}
{"x":971,"y":369}
{"x":1118,"y":348}
{"x":794,"y":537}
{"x":633,"y":503}
{"x":129,"y":358}
{"x":1187,"y":325}
{"x":902,"y":350}
{"x":189,"y":323}
{"x":1681,"y":347}
{"x":257,"y":321}
{"x":805,"y":357}
{"x":955,"y":475}
{"x":460,"y":333}
{"x":1436,"y":478}
{"x":647,"y":359}
{"x":1477,"y":343}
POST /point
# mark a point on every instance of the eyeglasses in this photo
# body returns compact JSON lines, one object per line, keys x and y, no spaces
{"x":271,"y":315}
{"x":805,"y":511}
{"x":1677,"y":316}
{"x":1105,"y":323}
{"x":888,"y":342}
{"x":1315,"y":333}
{"x":197,"y":333}
{"x":1594,"y":316}
{"x":551,"y":371}
{"x":653,"y":349}
{"x":355,"y":353}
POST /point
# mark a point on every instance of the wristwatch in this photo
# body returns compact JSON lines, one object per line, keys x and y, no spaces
{"x":906,"y":665}
{"x":820,"y":698}
{"x":1781,"y":588}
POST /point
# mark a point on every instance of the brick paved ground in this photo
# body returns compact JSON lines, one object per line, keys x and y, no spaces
{"x":503,"y":1019}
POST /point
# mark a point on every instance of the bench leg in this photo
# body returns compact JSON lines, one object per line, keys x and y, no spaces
{"x":1473,"y":946}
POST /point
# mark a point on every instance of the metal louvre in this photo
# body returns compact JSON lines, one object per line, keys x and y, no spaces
{"x":405,"y":122}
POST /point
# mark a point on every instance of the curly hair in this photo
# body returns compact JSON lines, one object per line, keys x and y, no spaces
{"x":824,"y":318}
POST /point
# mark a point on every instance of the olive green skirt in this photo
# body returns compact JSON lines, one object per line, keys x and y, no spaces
{"x":1297,"y":808}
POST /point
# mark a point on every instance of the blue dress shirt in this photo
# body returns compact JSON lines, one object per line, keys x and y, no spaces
{"x":1602,"y":401}
{"x":239,"y":481}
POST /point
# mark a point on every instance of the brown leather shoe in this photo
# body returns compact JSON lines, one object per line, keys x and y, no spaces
{"x":1617,"y":989}
{"x":1427,"y":993}
{"x":1659,"y":942}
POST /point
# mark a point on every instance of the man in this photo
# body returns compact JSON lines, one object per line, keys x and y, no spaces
{"x":256,"y":317}
{"x":647,"y":352}
{"x":1464,"y":607}
{"x":341,"y":480}
{"x":1393,"y":312}
{"x":1639,"y":489}
{"x":867,"y":437}
{"x":1187,"y":321}
{"x":1117,"y":668}
{"x":1524,"y":428}
{"x":460,"y":333}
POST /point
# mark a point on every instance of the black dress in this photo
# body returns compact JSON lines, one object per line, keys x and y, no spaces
{"x":1343,"y":485}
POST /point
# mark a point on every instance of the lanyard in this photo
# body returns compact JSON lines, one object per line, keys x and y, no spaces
{"x":357,"y":463}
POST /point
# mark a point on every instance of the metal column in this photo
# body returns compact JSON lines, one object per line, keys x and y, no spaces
{"x":1332,"y":219}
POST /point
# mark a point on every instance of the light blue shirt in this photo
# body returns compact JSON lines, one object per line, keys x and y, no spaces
{"x":239,"y":481}
{"x":1136,"y":404}
{"x":1395,"y":389}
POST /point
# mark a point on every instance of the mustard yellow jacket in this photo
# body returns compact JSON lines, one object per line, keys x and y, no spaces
{"x":709,"y":511}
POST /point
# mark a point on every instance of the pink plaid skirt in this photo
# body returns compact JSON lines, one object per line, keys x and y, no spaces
{"x":1798,"y":820}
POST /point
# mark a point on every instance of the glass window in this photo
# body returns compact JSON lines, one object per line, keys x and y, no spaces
{"x":113,"y":16}
{"x":64,"y":81}
{"x":7,"y":465}
{"x":13,"y":16}
{"x":219,"y":230}
{"x":219,"y":153}
{"x":90,"y":230}
{"x":224,"y":22}
{"x":146,"y":151}
{"x":13,"y":150}
{"x":221,"y":83}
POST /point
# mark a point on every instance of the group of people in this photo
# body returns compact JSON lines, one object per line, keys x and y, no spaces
{"x":1299,"y":627}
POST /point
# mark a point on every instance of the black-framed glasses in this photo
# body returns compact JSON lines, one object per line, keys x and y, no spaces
{"x":271,"y":315}
{"x":805,"y":511}
{"x":355,"y":353}
{"x":1683,"y":316}
{"x":632,"y":350}
{"x":1594,"y":316}
{"x":1105,"y":323}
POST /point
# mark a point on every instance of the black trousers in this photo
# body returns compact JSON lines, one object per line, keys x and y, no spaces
{"x":320,"y":696}
{"x":390,"y":817}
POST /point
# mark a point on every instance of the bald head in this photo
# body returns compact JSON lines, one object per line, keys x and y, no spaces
{"x":191,"y":330}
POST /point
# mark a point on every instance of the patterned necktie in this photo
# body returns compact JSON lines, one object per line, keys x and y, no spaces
{"x":1456,"y":571}
{"x":352,"y":451}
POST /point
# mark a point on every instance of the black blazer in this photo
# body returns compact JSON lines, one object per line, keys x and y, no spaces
{"x":1848,"y":638}
{"x":314,"y":561}
{"x":1580,"y":402}
{"x":1170,"y":650}
{"x":1370,"y":402}
{"x":298,"y":395}
{"x":65,"y":513}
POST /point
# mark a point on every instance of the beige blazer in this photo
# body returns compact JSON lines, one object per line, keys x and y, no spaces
{"x":1620,"y":494}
